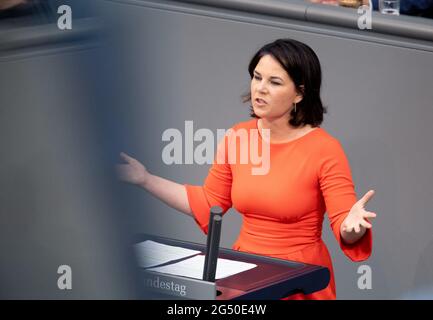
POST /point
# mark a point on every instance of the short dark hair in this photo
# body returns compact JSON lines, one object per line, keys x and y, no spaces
{"x":303,"y":67}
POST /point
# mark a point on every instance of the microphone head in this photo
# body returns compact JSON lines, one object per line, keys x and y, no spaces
{"x":216,"y":210}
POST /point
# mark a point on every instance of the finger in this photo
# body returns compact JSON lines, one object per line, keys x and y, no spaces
{"x":368,"y":214}
{"x":367,"y":197}
{"x":366,"y":224}
{"x":126,"y":158}
{"x":357,"y":228}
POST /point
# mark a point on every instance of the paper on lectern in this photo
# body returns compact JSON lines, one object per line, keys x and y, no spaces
{"x":193,"y":267}
{"x":150,"y":253}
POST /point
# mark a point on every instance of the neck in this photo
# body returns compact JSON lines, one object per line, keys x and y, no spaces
{"x":279,"y":128}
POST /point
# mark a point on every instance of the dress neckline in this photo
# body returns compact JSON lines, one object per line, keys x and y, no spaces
{"x":286,"y":142}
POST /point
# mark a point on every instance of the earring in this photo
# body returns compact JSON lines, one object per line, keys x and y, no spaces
{"x":295,"y":107}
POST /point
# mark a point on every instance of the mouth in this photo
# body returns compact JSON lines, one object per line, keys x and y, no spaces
{"x":260,"y":101}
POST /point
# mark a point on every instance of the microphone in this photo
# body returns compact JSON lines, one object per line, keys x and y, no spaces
{"x":212,"y":244}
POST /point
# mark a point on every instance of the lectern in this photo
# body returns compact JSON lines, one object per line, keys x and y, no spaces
{"x":271,"y":279}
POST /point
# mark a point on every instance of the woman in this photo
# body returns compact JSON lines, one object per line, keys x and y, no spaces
{"x":309,"y":174}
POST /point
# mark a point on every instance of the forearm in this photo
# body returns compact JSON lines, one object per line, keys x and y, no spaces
{"x":352,"y":237}
{"x":171,"y":193}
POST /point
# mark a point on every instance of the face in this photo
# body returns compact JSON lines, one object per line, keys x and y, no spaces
{"x":272,"y":90}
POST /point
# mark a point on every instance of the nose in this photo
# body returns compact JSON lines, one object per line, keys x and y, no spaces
{"x":261,"y":86}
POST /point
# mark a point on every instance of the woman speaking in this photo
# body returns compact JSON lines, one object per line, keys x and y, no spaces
{"x":308,"y":175}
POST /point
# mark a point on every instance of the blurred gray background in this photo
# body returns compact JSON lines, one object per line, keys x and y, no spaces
{"x":59,"y":199}
{"x":167,"y":62}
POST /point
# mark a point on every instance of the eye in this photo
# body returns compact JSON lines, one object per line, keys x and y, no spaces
{"x":276,"y":83}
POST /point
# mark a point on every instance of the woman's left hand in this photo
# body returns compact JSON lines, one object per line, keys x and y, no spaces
{"x":355,"y":221}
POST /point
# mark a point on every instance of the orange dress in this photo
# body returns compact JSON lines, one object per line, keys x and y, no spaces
{"x":283,"y":210}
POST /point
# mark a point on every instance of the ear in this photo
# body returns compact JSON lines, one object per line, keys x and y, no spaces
{"x":299,"y":94}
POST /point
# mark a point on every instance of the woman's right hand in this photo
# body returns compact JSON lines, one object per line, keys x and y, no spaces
{"x":170,"y":192}
{"x":133,"y":171}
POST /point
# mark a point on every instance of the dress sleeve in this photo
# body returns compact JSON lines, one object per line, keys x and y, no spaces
{"x":339,"y":195}
{"x":216,"y":190}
